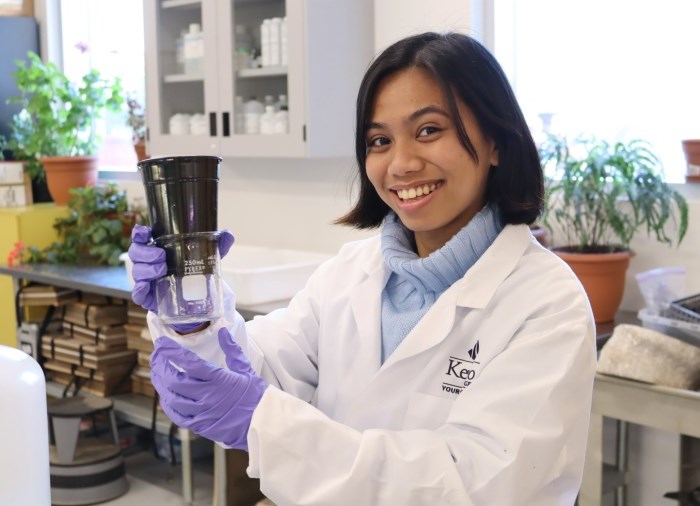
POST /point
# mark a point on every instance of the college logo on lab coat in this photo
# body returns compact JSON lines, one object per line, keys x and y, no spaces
{"x":460,"y":371}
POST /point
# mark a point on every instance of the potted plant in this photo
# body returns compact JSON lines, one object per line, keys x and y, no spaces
{"x":136,"y":119}
{"x":599,"y":196}
{"x":55,"y":130}
{"x":95,"y":232}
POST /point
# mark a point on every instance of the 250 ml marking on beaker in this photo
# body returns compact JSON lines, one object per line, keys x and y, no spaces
{"x":194,"y":266}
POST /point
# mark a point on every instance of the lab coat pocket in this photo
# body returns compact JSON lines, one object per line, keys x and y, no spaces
{"x":426,"y":411}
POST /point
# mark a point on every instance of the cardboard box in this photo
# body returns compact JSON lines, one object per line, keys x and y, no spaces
{"x":11,"y":172}
{"x":16,"y":195}
{"x":16,"y":7}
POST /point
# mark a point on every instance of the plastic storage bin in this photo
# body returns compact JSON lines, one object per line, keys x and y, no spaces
{"x":260,"y":275}
{"x":686,"y":331}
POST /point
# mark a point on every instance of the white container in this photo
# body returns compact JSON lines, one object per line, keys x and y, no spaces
{"x":24,"y":431}
{"x":281,"y":103}
{"x":265,"y":43}
{"x":194,"y":50}
{"x":283,"y":41}
{"x":179,"y":124}
{"x":260,"y":275}
{"x":275,"y":41}
{"x":281,"y":124}
{"x":688,"y":332}
{"x":198,"y":124}
{"x":252,"y":111}
{"x":267,"y":120}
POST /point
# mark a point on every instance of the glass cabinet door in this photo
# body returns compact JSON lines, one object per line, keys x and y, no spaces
{"x":182,"y":62}
{"x":261,"y":78}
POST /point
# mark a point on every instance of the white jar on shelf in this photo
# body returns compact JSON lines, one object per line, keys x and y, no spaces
{"x":267,"y":120}
{"x":194,"y":50}
{"x":265,"y":42}
{"x":198,"y":124}
{"x":281,"y":124}
{"x":253,"y":110}
{"x":275,"y":37}
{"x":283,"y":41}
{"x":179,"y":124}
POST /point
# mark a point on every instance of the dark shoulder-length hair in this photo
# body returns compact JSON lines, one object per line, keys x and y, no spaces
{"x":467,"y":72}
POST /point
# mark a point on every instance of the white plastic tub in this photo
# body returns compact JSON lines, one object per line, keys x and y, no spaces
{"x":262,"y":275}
{"x":688,"y":332}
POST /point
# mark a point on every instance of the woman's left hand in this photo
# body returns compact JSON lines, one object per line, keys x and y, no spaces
{"x":214,"y":402}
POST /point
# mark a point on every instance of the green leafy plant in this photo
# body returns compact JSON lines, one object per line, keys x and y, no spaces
{"x":136,"y":119}
{"x":58,"y":116}
{"x":96,"y":231}
{"x":601,"y":194}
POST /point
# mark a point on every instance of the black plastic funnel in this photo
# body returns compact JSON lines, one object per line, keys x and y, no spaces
{"x":182,"y":198}
{"x":182,"y":194}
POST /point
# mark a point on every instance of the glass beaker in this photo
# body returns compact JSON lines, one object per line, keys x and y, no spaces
{"x":182,"y":197}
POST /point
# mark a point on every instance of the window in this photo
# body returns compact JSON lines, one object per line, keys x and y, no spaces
{"x":107,"y":36}
{"x":617,"y":69}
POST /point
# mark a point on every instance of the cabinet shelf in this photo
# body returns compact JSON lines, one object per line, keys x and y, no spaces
{"x":181,"y":4}
{"x":273,"y":71}
{"x":183,"y":78}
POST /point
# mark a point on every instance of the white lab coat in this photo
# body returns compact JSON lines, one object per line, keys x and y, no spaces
{"x":485,"y":402}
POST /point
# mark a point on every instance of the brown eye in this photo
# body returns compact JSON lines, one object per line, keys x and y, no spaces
{"x":377,"y":142}
{"x":429,"y":130}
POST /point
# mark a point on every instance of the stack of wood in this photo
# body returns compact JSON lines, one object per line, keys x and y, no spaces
{"x":92,"y":347}
{"x":45,"y":295}
{"x":138,"y":338}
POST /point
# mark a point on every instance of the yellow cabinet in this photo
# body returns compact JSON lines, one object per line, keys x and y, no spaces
{"x":32,"y":226}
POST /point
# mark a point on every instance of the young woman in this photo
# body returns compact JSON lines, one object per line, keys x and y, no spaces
{"x":450,"y":359}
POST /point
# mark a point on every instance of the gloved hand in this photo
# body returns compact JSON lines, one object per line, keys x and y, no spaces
{"x":149,"y":264}
{"x":211,"y":401}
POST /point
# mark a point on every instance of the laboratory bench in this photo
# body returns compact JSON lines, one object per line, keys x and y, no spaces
{"x":132,"y":408}
{"x":629,"y":401}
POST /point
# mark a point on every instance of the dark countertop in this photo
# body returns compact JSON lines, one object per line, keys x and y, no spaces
{"x":101,"y":280}
{"x":108,"y":281}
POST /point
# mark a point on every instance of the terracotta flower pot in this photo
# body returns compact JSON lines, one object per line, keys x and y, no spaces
{"x":66,"y":172}
{"x":140,"y":148}
{"x":603,"y":277}
{"x":691,"y":150}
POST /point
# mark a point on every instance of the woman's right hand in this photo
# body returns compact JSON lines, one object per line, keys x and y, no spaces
{"x":149,"y":264}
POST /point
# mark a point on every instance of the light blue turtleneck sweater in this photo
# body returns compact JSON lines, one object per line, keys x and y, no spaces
{"x":415,"y":283}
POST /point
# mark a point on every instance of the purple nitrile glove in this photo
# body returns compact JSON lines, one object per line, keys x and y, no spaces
{"x":149,"y":265}
{"x":211,"y":401}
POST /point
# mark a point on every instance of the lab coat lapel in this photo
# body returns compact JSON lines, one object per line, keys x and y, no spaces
{"x":365,"y":301}
{"x":478,"y":286}
{"x":475,"y":290}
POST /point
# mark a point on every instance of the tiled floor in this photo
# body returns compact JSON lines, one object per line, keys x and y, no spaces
{"x":154,"y":482}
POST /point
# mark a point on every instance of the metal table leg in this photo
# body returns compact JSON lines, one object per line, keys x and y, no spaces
{"x":187,"y":477}
{"x":621,"y":461}
{"x":592,"y":486}
{"x":219,"y":476}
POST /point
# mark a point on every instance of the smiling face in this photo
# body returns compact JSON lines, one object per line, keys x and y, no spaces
{"x":416,"y":162}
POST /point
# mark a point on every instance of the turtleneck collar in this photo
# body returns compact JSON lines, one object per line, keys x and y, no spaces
{"x":439,"y":270}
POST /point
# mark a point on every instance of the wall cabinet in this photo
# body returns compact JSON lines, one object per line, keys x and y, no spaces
{"x":329,"y":45}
